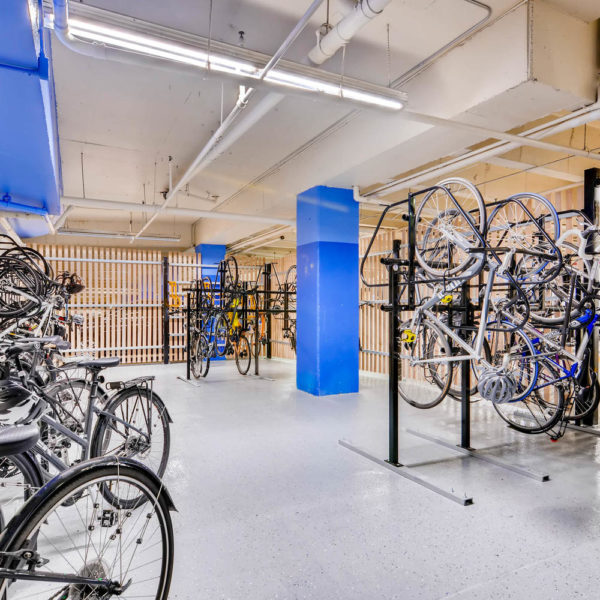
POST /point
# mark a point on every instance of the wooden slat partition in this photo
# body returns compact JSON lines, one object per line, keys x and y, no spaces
{"x":122,"y":301}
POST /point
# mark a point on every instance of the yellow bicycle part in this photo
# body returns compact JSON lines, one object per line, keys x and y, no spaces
{"x":446,"y":299}
{"x":408,"y":336}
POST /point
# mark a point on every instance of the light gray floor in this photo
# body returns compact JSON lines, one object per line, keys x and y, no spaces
{"x":270,"y":506}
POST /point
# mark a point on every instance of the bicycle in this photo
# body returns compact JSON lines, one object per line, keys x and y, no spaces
{"x":132,"y":423}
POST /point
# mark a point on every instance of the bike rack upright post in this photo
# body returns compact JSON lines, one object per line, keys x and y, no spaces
{"x":256,"y":340}
{"x":267,"y":288}
{"x":165,"y":310}
{"x":393,"y":361}
{"x":394,"y":307}
{"x":188,"y":334}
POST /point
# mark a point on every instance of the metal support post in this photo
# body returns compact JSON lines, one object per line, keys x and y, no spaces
{"x":591,"y":181}
{"x":393,"y":359}
{"x":465,"y":374}
{"x":188,"y":354}
{"x":256,"y":336}
{"x":412,"y":243}
{"x":166,"y":332}
{"x":267,"y":286}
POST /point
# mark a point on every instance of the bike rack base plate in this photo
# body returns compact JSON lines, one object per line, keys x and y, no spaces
{"x":473,"y":453}
{"x":405,"y":472}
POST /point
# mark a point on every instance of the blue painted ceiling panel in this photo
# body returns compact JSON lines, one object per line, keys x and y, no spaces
{"x":17,"y":45}
{"x":29,"y":159}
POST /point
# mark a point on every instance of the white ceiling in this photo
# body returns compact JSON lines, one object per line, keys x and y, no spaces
{"x":123,"y":122}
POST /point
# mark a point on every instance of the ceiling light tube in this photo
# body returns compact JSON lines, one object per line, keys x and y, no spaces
{"x":152,"y":46}
{"x":120,"y":236}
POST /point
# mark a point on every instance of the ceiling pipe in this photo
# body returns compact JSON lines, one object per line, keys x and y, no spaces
{"x":258,"y":111}
{"x":257,"y":240}
{"x":428,"y":61}
{"x":10,"y":231}
{"x":117,"y":236}
{"x":59,"y":221}
{"x":406,"y":76}
{"x":136,"y":207}
{"x":577,"y":118}
{"x":345,"y":30}
{"x":241,"y":103}
{"x":521,"y":140}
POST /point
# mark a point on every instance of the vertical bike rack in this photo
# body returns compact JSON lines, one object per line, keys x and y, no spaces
{"x":394,"y":307}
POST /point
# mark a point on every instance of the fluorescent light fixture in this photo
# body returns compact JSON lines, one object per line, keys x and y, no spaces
{"x":121,"y":236}
{"x":152,"y":46}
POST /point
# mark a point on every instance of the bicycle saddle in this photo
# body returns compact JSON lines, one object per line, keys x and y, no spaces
{"x":100,"y":363}
{"x":18,"y":439}
{"x":32,"y":343}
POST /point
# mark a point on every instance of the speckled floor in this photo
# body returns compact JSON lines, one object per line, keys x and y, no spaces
{"x":270,"y":506}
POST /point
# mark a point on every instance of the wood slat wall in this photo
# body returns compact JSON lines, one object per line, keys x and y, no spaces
{"x":121,"y":303}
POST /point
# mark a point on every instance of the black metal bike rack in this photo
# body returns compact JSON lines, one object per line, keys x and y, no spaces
{"x":194,"y":310}
{"x":394,"y":308}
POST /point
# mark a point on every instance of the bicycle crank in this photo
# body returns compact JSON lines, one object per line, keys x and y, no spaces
{"x":496,"y":386}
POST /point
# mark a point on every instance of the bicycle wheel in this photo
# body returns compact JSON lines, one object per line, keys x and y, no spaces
{"x":510,"y":227}
{"x":70,"y":525}
{"x":20,"y":478}
{"x":201,"y":357}
{"x":443,"y":234}
{"x":515,"y":352}
{"x":540,"y":410}
{"x":424,"y":369}
{"x":243,"y":355}
{"x":19,"y":288}
{"x":221,"y":335}
{"x":144,"y":435}
{"x":231,"y":273}
{"x":548,"y":301}
{"x":207,"y":292}
{"x":583,"y":405}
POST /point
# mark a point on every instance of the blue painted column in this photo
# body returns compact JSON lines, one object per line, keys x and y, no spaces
{"x":327,"y":292}
{"x":210,"y":254}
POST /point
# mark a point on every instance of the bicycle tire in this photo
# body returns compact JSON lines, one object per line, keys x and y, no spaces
{"x":243,"y":355}
{"x":518,"y":412}
{"x":24,"y":531}
{"x":412,"y":384}
{"x":434,"y":249}
{"x":201,"y":357}
{"x":105,"y":428}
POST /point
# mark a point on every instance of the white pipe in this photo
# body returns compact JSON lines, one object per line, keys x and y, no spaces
{"x":118,"y":236}
{"x":58,"y":222}
{"x":241,"y":103}
{"x":72,"y":201}
{"x":258,"y":240}
{"x":558,"y":125}
{"x":521,"y":140}
{"x":344,"y":31}
{"x":50,"y":224}
{"x":10,"y":231}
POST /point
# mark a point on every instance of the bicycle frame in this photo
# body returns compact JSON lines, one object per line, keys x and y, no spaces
{"x":474,"y":352}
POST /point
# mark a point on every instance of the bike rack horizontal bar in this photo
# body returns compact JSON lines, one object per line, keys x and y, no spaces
{"x":403,"y":471}
{"x":483,"y":457}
